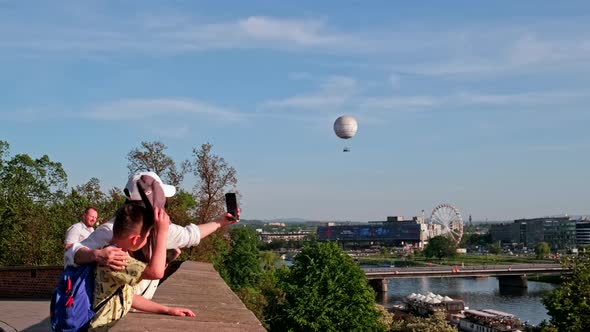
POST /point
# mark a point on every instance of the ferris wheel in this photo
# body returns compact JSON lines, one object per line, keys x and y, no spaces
{"x":449,"y":218}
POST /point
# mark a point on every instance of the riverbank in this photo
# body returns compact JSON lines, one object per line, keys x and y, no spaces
{"x":461,"y":260}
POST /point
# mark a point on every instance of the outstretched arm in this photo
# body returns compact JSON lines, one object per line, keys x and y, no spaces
{"x":143,"y":304}
{"x":191,"y":235}
{"x":223,"y":220}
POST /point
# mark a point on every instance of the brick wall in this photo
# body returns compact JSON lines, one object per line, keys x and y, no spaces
{"x":28,"y":282}
{"x":39,"y":281}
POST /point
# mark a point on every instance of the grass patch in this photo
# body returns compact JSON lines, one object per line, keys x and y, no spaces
{"x":457,"y":260}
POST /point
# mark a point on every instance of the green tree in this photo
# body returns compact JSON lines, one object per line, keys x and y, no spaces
{"x":386,"y":317}
{"x":544,"y":326}
{"x":181,"y":207}
{"x":91,"y":192}
{"x":326,"y":291}
{"x":241,"y":266}
{"x":495,"y":248}
{"x":113,"y":201}
{"x":36,"y":210}
{"x":82,"y":196}
{"x":474,"y":239}
{"x":252,"y":274}
{"x":434,"y":323}
{"x":29,"y":226}
{"x":276,"y":244}
{"x":569,"y":304}
{"x":269,"y":260}
{"x":440,"y":246}
{"x":542,"y":250}
{"x":4,"y":148}
{"x":216,"y":177}
{"x":151,"y":156}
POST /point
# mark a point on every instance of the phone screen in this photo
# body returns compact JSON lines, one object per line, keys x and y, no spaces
{"x":231,"y":203}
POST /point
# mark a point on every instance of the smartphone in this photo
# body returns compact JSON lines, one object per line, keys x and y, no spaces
{"x":231,"y":202}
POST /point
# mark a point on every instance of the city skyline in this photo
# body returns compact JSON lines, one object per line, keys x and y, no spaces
{"x":483,"y":106}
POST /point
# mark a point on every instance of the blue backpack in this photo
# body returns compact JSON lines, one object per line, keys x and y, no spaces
{"x":71,"y":304}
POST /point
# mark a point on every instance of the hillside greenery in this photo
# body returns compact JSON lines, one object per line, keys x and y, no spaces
{"x":37,"y":205}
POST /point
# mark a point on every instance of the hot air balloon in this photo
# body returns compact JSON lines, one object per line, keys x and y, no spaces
{"x":345,"y":127}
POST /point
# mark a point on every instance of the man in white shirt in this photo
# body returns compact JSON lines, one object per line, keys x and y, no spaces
{"x":81,"y":230}
{"x":92,"y":248}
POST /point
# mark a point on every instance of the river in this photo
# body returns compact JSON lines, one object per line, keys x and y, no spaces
{"x":478,"y":293}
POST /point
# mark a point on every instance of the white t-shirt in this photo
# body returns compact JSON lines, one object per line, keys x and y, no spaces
{"x":178,"y":237}
{"x":77,"y":233}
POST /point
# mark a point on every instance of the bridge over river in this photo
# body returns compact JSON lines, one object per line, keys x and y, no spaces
{"x":514,"y":275}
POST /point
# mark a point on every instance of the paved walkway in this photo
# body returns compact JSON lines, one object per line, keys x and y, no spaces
{"x":24,"y":315}
{"x":199,"y":287}
{"x":195,"y":285}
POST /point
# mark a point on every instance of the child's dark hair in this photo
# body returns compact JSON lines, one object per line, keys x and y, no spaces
{"x":129,"y":217}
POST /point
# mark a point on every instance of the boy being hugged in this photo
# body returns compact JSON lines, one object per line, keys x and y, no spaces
{"x":131,"y":229}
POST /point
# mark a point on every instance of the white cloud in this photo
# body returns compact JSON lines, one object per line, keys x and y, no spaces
{"x":503,"y":51}
{"x":537,"y":98}
{"x":491,"y":48}
{"x":344,"y":93}
{"x":532,"y":49}
{"x":333,"y":92}
{"x":526,"y":98}
{"x":400,"y":102}
{"x":454,"y":67}
{"x":484,"y":48}
{"x":310,"y":102}
{"x":163,"y":107}
{"x":164,"y":33}
{"x":259,"y":32}
{"x":300,"y":32}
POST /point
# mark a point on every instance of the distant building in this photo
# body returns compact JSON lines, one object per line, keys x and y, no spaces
{"x":531,"y":231}
{"x":415,"y":219}
{"x":320,"y":223}
{"x":505,"y":233}
{"x":391,"y":234}
{"x":394,"y":231}
{"x":287,"y":236}
{"x":583,"y":233}
{"x":433,"y":230}
{"x":394,"y":218}
{"x":558,"y":232}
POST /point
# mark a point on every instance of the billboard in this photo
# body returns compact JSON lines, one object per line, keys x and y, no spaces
{"x":384,"y":232}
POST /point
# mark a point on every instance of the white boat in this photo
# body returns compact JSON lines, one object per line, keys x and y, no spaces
{"x":488,"y":320}
{"x":426,"y":305}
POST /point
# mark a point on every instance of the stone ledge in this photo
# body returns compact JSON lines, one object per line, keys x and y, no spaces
{"x":199,"y":287}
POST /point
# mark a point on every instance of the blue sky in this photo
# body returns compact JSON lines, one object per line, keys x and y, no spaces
{"x":484,"y":106}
